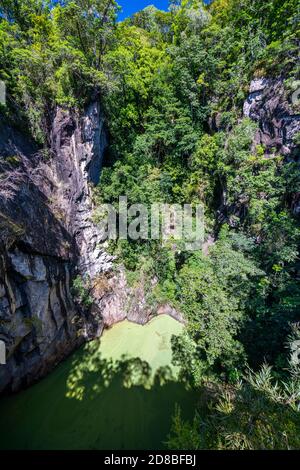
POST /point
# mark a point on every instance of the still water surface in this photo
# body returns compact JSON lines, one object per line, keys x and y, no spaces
{"x":116,"y":393}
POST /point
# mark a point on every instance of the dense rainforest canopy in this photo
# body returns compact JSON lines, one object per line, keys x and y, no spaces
{"x":163,"y":78}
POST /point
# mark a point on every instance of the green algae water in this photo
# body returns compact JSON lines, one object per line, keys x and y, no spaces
{"x":117,"y":393}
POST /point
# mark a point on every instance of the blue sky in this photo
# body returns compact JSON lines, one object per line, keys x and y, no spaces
{"x":131,"y":6}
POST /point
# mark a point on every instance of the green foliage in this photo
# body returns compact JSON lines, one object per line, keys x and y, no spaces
{"x":81,"y":291}
{"x":259,"y":413}
{"x":213,"y":295}
{"x":51,"y":53}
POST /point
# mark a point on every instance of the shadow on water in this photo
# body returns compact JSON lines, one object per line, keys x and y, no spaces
{"x":93,"y":403}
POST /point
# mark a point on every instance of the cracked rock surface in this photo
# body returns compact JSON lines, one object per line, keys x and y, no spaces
{"x":47,"y":237}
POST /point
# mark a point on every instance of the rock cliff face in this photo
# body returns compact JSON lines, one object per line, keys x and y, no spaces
{"x":46,"y":238}
{"x":123,"y":302}
{"x":277,"y":115}
{"x":79,"y":146}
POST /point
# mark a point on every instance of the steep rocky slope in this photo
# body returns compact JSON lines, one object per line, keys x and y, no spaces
{"x":47,"y":237}
{"x":277,"y":114}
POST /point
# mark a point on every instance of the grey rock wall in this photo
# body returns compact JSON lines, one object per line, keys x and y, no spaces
{"x":271,"y":106}
{"x":47,"y":238}
{"x":79,"y":145}
{"x":39,"y":322}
